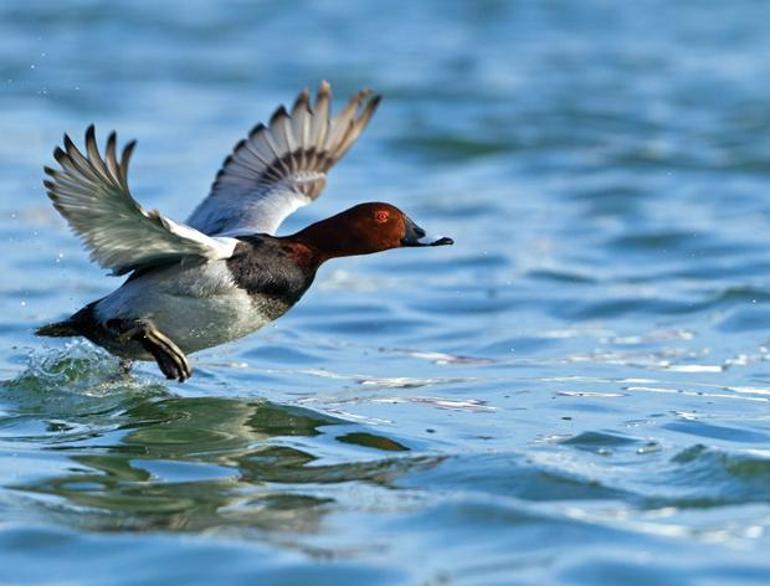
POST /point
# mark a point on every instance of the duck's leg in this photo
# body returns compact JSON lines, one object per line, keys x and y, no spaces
{"x":171,"y":360}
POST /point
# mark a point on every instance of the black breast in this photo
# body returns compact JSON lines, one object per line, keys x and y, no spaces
{"x":262,"y":267}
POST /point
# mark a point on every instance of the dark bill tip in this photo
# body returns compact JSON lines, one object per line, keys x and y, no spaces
{"x":416,"y":236}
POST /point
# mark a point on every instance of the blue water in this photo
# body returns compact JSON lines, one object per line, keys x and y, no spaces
{"x":577,"y":392}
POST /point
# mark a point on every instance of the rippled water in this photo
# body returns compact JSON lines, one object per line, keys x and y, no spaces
{"x":576,"y":392}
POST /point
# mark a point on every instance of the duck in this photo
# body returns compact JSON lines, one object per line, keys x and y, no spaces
{"x":224,"y":273}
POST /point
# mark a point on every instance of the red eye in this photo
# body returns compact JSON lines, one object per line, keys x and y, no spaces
{"x":381,"y":216}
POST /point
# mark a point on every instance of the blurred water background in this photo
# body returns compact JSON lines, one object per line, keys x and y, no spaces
{"x":576,"y":392}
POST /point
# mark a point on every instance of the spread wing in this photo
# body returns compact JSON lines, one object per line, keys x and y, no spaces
{"x":283,"y":166}
{"x":93,"y":196}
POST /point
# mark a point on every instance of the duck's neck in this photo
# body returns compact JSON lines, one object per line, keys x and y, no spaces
{"x":323,"y":241}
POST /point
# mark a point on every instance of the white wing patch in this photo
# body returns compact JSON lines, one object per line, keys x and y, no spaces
{"x":93,"y":196}
{"x":257,"y":214}
{"x":282,"y":167}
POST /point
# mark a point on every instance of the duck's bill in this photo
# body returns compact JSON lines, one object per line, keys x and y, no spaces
{"x":416,"y":236}
{"x":440,"y":241}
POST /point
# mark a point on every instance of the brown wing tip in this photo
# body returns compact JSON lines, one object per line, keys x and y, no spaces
{"x":129,"y":149}
{"x":302,"y":101}
{"x":59,"y":154}
{"x":68,"y":144}
{"x":371,"y":106}
{"x":50,"y":190}
{"x":360,"y":95}
{"x":280,"y":112}
{"x":112,"y":140}
{"x":256,"y":130}
{"x":324,"y":94}
{"x":125,"y":158}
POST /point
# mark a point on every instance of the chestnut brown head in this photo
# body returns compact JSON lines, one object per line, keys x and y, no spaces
{"x":364,"y":229}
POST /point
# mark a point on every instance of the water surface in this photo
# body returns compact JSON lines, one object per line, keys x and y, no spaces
{"x":576,"y":392}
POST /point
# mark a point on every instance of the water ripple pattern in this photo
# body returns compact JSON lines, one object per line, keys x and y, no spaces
{"x":577,"y":392}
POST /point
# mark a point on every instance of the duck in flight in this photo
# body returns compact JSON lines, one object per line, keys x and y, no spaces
{"x":224,"y":273}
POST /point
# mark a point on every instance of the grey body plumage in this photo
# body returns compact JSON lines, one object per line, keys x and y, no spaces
{"x":201,"y":304}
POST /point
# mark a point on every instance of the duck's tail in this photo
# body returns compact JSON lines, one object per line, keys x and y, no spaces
{"x":59,"y":329}
{"x":75,"y":325}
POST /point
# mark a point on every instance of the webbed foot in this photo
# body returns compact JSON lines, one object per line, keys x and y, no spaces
{"x":171,"y":360}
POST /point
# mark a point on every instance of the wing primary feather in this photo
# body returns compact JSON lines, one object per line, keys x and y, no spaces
{"x":280,"y":112}
{"x":256,"y":153}
{"x":358,"y":126}
{"x":288,"y":134}
{"x":341,"y":124}
{"x":77,"y":160}
{"x":342,"y":135}
{"x":125,"y":159}
{"x":301,"y":102}
{"x":274,"y":148}
{"x":111,"y":156}
{"x":94,"y":157}
{"x":340,"y":121}
{"x":91,"y":193}
{"x":279,"y":134}
{"x":321,"y":115}
{"x":59,"y":155}
{"x":282,"y":166}
{"x":256,"y":130}
{"x":301,"y":118}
